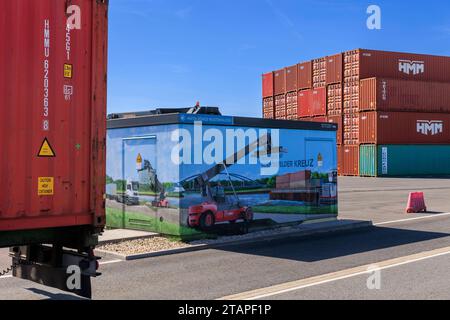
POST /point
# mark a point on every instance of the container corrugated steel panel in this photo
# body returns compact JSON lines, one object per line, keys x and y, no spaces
{"x":351,"y":97}
{"x":334,"y":99}
{"x":408,"y":160}
{"x":318,"y":102}
{"x":268,"y":108}
{"x":381,"y":94}
{"x":350,"y":160}
{"x":304,"y":74}
{"x":303,"y":101}
{"x":280,"y":107}
{"x":267,"y":82}
{"x":291,"y":106}
{"x":40,"y":101}
{"x":279,"y":82}
{"x":351,"y":128}
{"x":319,"y":72}
{"x":339,"y":121}
{"x":339,"y":156}
{"x":362,"y":64}
{"x":334,"y":69}
{"x":291,"y":78}
{"x":367,"y":160}
{"x":404,"y":128}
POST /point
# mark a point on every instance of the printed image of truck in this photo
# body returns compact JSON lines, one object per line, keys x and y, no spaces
{"x":129,"y":197}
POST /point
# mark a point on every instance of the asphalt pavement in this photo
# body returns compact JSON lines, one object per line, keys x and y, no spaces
{"x":237,"y":269}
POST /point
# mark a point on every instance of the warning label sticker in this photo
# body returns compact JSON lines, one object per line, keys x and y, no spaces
{"x":46,"y":150}
{"x":68,"y":71}
{"x":45,"y":186}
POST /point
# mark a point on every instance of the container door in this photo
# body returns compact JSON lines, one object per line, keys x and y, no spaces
{"x":140,"y":183}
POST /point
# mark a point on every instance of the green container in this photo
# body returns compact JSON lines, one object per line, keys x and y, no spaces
{"x":404,"y":160}
{"x":367,"y":163}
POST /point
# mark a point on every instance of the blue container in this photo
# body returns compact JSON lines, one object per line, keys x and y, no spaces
{"x":184,"y":175}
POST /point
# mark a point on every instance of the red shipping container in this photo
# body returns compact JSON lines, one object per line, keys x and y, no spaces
{"x":268,"y":108}
{"x":319,"y":72}
{"x":267,"y":82}
{"x":404,"y":128}
{"x":291,"y":106}
{"x":339,"y":121}
{"x":379,"y":94}
{"x":318,"y":102}
{"x":319,"y":119}
{"x":362,"y":64}
{"x":304,"y":74}
{"x":339,"y":158}
{"x":334,"y":99}
{"x":291,"y":78}
{"x":349,"y":160}
{"x":315,"y":119}
{"x":303,"y":102}
{"x":280,"y":107}
{"x":334,"y":68}
{"x":53,"y":104}
{"x":279,"y":82}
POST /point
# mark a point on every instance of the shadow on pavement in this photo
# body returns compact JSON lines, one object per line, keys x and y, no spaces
{"x":54,"y":296}
{"x":324,"y":247}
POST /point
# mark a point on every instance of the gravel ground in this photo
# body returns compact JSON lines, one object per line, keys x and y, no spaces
{"x":140,"y":246}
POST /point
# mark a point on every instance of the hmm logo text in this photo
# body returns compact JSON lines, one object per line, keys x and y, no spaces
{"x":411,"y":67}
{"x":433,"y":128}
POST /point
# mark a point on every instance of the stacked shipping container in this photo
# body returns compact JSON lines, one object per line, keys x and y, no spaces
{"x":380,"y":100}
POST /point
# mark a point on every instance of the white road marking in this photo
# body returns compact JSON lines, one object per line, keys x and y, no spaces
{"x":335,"y":276}
{"x":5,"y":277}
{"x":413,"y":219}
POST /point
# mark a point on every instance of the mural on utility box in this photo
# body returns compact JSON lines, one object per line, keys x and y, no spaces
{"x":187,"y":179}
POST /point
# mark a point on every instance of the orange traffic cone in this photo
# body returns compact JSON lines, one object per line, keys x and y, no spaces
{"x":416,"y":203}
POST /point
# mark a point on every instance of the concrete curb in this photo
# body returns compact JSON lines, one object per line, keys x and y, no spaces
{"x":303,"y":231}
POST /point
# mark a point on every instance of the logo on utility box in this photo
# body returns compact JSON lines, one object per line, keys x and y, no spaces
{"x":411,"y":67}
{"x":432,"y":128}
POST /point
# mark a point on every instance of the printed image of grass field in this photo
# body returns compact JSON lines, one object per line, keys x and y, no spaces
{"x":139,"y":221}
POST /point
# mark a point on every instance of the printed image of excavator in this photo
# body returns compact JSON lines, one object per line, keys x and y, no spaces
{"x":217,"y":206}
{"x":148,"y":176}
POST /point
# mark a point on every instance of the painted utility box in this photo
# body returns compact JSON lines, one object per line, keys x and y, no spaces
{"x":186,"y":174}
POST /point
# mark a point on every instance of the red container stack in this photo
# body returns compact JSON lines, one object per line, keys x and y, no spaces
{"x":375,"y":97}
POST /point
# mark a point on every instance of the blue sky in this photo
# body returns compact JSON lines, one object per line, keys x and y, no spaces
{"x":171,"y":53}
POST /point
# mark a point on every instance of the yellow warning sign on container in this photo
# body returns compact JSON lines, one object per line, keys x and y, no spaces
{"x":46,"y":150}
{"x":45,"y":186}
{"x":139,"y":158}
{"x":68,"y":71}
